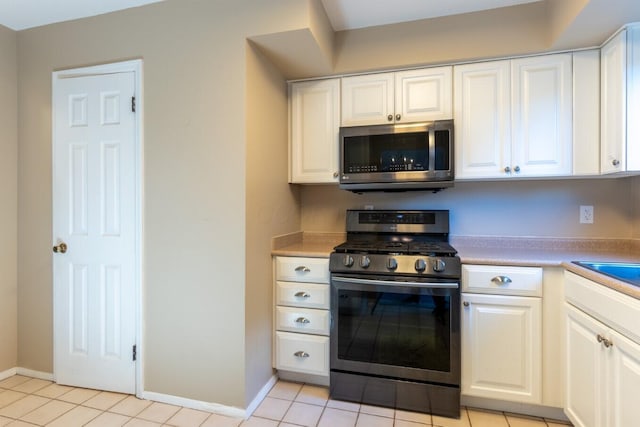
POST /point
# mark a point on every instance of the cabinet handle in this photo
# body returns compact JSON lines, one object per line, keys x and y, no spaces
{"x":607,"y":343}
{"x":303,"y":320}
{"x":501,"y":280}
{"x":302,"y":294}
{"x":301,"y":354}
{"x":335,"y":174}
{"x":398,"y":117}
{"x":390,"y":117}
{"x":303,"y":269}
{"x":507,"y":169}
{"x":615,"y":162}
{"x":516,"y":169}
{"x":466,"y":303}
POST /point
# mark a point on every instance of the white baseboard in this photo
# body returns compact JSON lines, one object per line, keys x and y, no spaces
{"x":35,"y":374}
{"x":8,"y":373}
{"x":260,"y":396}
{"x":216,"y":408}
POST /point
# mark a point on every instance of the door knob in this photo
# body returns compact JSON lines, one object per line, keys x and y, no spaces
{"x":61,"y":248}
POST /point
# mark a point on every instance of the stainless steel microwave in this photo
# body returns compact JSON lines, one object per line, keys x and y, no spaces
{"x":412,"y":156}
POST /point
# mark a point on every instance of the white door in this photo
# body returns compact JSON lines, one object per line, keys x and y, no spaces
{"x":502,"y":347}
{"x":368,"y":99}
{"x":586,"y":396}
{"x":423,"y":95}
{"x":315,"y":128}
{"x":94,"y":215}
{"x":482,"y":119}
{"x":542,"y":115}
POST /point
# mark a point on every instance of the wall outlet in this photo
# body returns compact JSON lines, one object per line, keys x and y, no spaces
{"x":368,"y":207}
{"x":586,"y":214}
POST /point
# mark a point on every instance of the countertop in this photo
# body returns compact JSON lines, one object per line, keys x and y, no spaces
{"x":512,"y":251}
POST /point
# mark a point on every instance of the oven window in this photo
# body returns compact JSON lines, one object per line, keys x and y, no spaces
{"x":387,"y":153}
{"x":401,"y":329}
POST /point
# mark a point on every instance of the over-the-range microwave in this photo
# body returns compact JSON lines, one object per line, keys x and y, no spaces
{"x":397,"y":157}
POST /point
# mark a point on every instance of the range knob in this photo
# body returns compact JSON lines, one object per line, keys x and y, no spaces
{"x":420,"y":265}
{"x":392,"y":264}
{"x":439,"y":265}
{"x":347,"y":261}
{"x":365,"y":261}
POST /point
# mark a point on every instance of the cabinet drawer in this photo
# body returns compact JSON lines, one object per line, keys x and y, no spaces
{"x":305,"y":320}
{"x":310,"y":295}
{"x":293,"y":269}
{"x":504,"y":280}
{"x":303,"y":353}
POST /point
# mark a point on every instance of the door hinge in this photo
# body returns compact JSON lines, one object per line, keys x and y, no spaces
{"x":134,"y":352}
{"x":133,"y":104}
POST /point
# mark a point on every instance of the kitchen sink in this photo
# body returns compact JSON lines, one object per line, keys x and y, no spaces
{"x":627,"y":272}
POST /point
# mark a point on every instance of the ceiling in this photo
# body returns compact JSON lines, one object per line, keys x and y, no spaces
{"x":343,"y":14}
{"x":352,"y":14}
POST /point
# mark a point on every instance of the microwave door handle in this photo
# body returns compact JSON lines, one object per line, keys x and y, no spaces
{"x":432,"y":148}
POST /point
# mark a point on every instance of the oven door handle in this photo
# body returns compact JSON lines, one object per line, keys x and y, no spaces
{"x":395,"y":283}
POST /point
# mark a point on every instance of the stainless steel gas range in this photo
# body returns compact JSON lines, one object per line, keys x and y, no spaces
{"x":395,"y":309}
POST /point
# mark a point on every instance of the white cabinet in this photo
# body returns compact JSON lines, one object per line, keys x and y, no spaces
{"x":314,"y":131}
{"x":301,"y":318}
{"x":502,"y":333}
{"x":620,"y":62}
{"x":514,"y":117}
{"x":602,"y":355}
{"x":401,"y":97}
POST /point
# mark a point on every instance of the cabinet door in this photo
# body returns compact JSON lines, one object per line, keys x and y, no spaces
{"x":586,"y":112}
{"x":315,"y":126}
{"x":613,"y":61}
{"x":502,"y":347}
{"x":482,"y":119}
{"x":423,"y":95}
{"x":542,"y":115}
{"x":624,"y":377}
{"x":585,"y":397}
{"x":367,"y":99}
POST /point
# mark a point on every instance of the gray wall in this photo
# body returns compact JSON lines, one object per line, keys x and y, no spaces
{"x":9,"y":203}
{"x":195,"y":185}
{"x":545,"y":208}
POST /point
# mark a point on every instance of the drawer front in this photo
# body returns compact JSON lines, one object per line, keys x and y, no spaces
{"x":503,"y":280}
{"x":302,"y":353}
{"x":310,"y":295}
{"x":293,"y":269}
{"x":305,"y":320}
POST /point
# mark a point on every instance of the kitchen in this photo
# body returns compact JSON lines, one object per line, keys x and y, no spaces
{"x":207,"y":135}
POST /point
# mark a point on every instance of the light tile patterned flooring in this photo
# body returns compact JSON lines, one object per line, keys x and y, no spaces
{"x":28,"y":402}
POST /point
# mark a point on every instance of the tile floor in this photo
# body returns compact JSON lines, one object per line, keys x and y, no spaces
{"x":28,"y":402}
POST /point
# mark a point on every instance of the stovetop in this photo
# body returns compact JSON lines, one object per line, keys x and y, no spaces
{"x":429,"y":248}
{"x":399,"y":242}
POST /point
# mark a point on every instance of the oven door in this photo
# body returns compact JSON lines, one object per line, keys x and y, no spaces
{"x":403,"y":328}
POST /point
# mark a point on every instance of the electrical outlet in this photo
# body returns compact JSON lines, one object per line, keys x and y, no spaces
{"x":586,"y":214}
{"x":368,"y":207}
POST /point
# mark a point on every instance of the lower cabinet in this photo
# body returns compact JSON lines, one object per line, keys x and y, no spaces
{"x":301,"y":319}
{"x":502,"y":333}
{"x":602,"y":364}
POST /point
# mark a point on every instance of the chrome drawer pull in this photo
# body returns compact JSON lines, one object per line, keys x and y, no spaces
{"x":303,"y":269}
{"x":302,"y":294}
{"x":303,"y":320}
{"x":301,"y":354}
{"x":501,"y":280}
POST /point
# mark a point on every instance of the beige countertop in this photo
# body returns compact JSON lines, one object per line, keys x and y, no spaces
{"x":542,"y":252}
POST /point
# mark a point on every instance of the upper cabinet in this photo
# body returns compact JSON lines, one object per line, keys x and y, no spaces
{"x":400,"y":97}
{"x":314,"y":127}
{"x":620,"y":62}
{"x":514,"y":117}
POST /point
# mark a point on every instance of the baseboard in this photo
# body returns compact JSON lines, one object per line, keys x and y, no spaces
{"x":216,"y":408}
{"x":514,"y":407}
{"x":260,"y":396}
{"x":34,"y":374}
{"x":8,"y":373}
